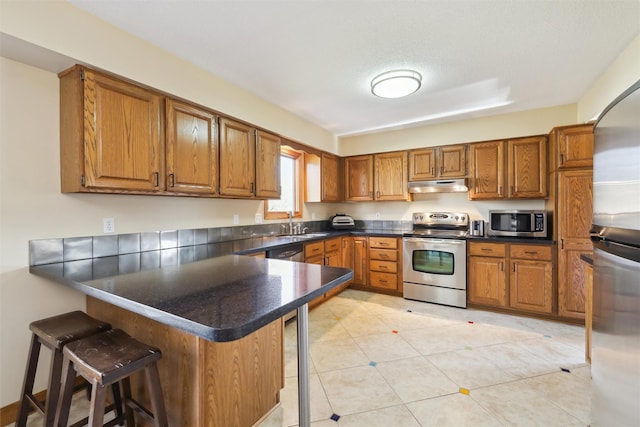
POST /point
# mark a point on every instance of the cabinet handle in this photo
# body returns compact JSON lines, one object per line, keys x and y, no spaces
{"x":156,"y":179}
{"x":561,"y":243}
{"x":172,"y":179}
{"x":561,"y":159}
{"x":251,"y":188}
{"x":502,"y":266}
{"x":514,"y":268}
{"x":433,"y":171}
{"x":500,"y":191}
{"x":383,"y":280}
{"x":383,"y":267}
{"x":441,"y":170}
{"x":511,"y":191}
{"x":531,"y":252}
{"x":384,"y":256}
{"x":486,"y":250}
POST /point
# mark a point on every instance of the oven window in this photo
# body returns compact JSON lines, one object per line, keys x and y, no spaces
{"x":434,"y":262}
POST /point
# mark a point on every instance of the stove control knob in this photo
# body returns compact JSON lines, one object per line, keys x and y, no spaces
{"x":456,"y":217}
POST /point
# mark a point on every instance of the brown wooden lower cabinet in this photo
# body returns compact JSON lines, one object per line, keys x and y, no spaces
{"x":206,"y":383}
{"x":512,"y":276}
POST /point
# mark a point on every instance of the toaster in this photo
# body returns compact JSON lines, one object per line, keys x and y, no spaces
{"x":341,"y":221}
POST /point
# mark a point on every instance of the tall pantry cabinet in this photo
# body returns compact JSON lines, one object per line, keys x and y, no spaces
{"x":571,"y":198}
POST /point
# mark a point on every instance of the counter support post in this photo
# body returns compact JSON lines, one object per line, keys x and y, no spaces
{"x":304,"y":411}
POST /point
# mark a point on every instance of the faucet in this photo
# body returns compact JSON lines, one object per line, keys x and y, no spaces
{"x":290,"y":222}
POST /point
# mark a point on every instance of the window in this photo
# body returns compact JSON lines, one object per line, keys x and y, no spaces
{"x":291,"y":177}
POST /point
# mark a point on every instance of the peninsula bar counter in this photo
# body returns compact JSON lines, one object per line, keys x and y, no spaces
{"x":218,"y":322}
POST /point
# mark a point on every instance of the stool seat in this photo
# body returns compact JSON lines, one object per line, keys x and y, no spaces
{"x":110,"y":356}
{"x":57,"y":331}
{"x":54,"y":333}
{"x":106,"y":359}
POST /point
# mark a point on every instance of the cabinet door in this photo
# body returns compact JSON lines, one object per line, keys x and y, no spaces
{"x":487,"y":170}
{"x":452,"y":161}
{"x":422,"y":164}
{"x":358,"y":178}
{"x":237,"y":159}
{"x":572,"y":279}
{"x":391,"y":176}
{"x":575,"y":211}
{"x":192,"y":149}
{"x":347,"y":252}
{"x":575,"y":147}
{"x":359,"y":260}
{"x":330,"y":178}
{"x":531,"y":285}
{"x":527,"y":167}
{"x":267,"y":166}
{"x":487,"y":281}
{"x":575,"y":204}
{"x":122,"y":135}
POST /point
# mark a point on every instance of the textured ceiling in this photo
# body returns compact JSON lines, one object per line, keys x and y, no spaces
{"x":317,"y":58}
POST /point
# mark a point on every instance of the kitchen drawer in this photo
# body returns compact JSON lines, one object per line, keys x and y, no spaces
{"x":332,"y":245}
{"x":487,"y":249}
{"x":313,"y":249}
{"x":383,"y":254}
{"x":315,"y":260}
{"x":383,"y":242}
{"x":383,"y":280}
{"x":531,"y":252}
{"x":386,"y":266}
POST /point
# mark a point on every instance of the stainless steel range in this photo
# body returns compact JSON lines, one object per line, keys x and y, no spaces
{"x":435,"y":258}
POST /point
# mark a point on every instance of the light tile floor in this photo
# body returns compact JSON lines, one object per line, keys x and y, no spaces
{"x":378,"y":360}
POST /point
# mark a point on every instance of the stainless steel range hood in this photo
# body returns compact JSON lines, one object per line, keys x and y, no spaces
{"x":439,"y":186}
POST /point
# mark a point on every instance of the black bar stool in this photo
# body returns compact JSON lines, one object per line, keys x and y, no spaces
{"x":54,"y":333}
{"x":106,"y":359}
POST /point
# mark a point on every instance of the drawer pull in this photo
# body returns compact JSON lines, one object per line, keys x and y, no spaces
{"x":384,"y":256}
{"x":531,"y":252}
{"x":486,"y":249}
{"x":383,"y":280}
{"x":383,"y":267}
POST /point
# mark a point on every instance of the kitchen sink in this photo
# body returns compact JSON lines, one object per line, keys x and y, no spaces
{"x":306,"y":236}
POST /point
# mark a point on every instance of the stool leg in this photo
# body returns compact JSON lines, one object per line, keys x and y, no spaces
{"x":157,"y":402}
{"x":64,"y":400}
{"x":117,"y":403}
{"x":98,"y":402}
{"x":53,"y":389}
{"x":125,"y":390}
{"x":29,"y":378}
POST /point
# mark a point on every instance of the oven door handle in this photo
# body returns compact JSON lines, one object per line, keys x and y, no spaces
{"x":431,"y":240}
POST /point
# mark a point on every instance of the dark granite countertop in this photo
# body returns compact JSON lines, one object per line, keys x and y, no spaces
{"x":219,"y":298}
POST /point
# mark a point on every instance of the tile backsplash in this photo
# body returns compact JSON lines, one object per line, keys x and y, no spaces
{"x":47,"y":251}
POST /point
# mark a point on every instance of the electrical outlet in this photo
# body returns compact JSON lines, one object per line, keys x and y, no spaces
{"x":377,"y":215}
{"x":258,"y":218}
{"x":236,"y":219}
{"x":313,"y":216}
{"x":108,"y":225}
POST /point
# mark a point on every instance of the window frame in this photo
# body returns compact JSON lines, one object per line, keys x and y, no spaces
{"x":298,"y":157}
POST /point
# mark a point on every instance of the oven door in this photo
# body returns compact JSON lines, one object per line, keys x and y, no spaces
{"x":436,"y":262}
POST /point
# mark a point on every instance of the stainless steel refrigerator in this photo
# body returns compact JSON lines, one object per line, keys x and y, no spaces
{"x":615,"y":358}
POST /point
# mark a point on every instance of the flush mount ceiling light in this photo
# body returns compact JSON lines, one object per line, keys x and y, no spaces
{"x":396,"y":84}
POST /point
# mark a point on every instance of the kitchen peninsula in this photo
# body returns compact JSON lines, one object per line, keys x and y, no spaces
{"x":218,"y":322}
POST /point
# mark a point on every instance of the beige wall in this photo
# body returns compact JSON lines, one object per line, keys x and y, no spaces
{"x":32,"y":207}
{"x":532,"y":122}
{"x":620,"y":75}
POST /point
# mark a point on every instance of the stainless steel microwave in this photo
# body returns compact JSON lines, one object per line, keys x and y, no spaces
{"x":518,"y":223}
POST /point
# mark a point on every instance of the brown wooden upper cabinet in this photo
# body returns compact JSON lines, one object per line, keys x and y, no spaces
{"x":267,"y":165}
{"x":376,"y":177}
{"x":330,"y":178}
{"x":358,"y":178}
{"x":572,"y":147}
{"x":240,"y":174}
{"x":448,"y":161}
{"x":526,"y":164}
{"x":192,"y":149}
{"x":111,"y":134}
